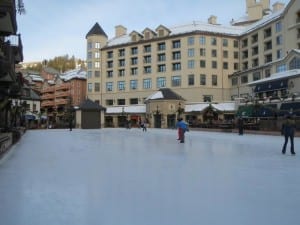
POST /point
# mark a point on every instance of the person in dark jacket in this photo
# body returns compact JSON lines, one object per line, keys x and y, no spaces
{"x":288,"y":130}
{"x":241,"y":125}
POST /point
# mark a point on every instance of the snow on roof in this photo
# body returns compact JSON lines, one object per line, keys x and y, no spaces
{"x":36,"y":77}
{"x":72,"y":74}
{"x":156,"y":95}
{"x":127,"y":109}
{"x":277,"y":76}
{"x":199,"y":107}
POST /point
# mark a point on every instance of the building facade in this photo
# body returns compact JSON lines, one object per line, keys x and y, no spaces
{"x":202,"y":62}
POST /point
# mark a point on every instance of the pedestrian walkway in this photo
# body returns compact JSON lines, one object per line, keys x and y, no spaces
{"x":130,"y":177}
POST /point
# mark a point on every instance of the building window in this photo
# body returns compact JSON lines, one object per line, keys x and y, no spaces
{"x":214,"y":80}
{"x":213,"y":53}
{"x":109,"y":102}
{"x":97,"y":87}
{"x":256,"y":76}
{"x":202,"y":79}
{"x":202,"y":52}
{"x":90,"y":55}
{"x":225,"y":42}
{"x":134,"y":51}
{"x":202,"y":40}
{"x":236,"y":55}
{"x":244,"y":43}
{"x":110,"y":64}
{"x":147,"y":59}
{"x":176,"y":55}
{"x":268,"y":32}
{"x":235,"y":44}
{"x":97,"y":64}
{"x":281,"y":68}
{"x":161,"y":82}
{"x":278,"y":26}
{"x":214,"y":41}
{"x":109,"y":86}
{"x":202,"y":63}
{"x":207,"y":98}
{"x":133,"y":84}
{"x":134,"y":71}
{"x":267,"y":73}
{"x":191,"y":40}
{"x":110,"y":54}
{"x":161,"y":46}
{"x":134,"y":101}
{"x":89,"y":74}
{"x":97,"y":73}
{"x":236,"y":66}
{"x":97,"y":55}
{"x":121,"y":62}
{"x":244,"y":79}
{"x":97,"y":45}
{"x":110,"y":74}
{"x":134,"y":61}
{"x":90,"y":65}
{"x":191,"y":64}
{"x":147,"y":69}
{"x":161,"y":68}
{"x":214,"y":64}
{"x":176,"y":66}
{"x":121,"y":52}
{"x":147,"y":48}
{"x":225,"y":54}
{"x":225,"y":65}
{"x":121,"y":73}
{"x":279,"y":54}
{"x":191,"y":80}
{"x":161,"y":57}
{"x":279,"y":40}
{"x":89,"y":45}
{"x":294,"y":63}
{"x":234,"y":81}
{"x":121,"y":101}
{"x":90,"y":87}
{"x":121,"y":85}
{"x":191,"y":52}
{"x":147,"y":83}
{"x":176,"y":81}
{"x":176,"y":44}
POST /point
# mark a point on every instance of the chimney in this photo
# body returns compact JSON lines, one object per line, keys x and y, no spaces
{"x":212,"y":20}
{"x":120,"y":30}
{"x":277,"y":6}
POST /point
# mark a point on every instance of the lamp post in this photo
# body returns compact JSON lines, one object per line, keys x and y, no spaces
{"x":179,"y":110}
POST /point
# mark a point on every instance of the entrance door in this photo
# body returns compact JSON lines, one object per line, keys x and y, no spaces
{"x":171,"y":121}
{"x":157,"y":121}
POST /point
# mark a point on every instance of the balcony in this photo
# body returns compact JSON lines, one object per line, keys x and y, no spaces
{"x":47,"y":104}
{"x":62,"y":94}
{"x":8,"y":21}
{"x":48,"y":90}
{"x":61,"y":101}
{"x":47,"y":96}
{"x":62,"y":87}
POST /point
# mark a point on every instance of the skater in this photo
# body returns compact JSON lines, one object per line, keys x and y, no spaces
{"x":288,"y":130}
{"x":144,"y":125}
{"x":182,"y":128}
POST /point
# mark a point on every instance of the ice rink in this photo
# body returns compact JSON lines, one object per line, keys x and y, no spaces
{"x":129,"y":177}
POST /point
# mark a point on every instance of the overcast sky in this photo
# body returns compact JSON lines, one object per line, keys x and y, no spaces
{"x":54,"y":27}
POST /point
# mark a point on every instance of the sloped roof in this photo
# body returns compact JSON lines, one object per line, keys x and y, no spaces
{"x":165,"y":94}
{"x":96,"y":30}
{"x":73,"y":74}
{"x":88,"y":104}
{"x":127,"y":109}
{"x":199,"y":107}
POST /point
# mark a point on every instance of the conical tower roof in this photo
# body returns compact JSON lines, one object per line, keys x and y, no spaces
{"x":96,"y":30}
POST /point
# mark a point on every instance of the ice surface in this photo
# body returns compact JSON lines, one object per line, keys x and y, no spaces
{"x":129,"y":177}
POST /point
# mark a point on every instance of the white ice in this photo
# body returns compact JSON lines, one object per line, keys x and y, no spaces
{"x":129,"y":177}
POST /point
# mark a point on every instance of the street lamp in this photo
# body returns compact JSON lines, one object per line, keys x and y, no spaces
{"x":179,"y":110}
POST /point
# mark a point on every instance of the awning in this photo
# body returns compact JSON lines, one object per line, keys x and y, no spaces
{"x":290,"y":108}
{"x":245,"y":111}
{"x":267,"y":110}
{"x":271,"y":86}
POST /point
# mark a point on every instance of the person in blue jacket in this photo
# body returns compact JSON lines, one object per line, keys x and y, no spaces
{"x":182,"y":128}
{"x":288,"y":130}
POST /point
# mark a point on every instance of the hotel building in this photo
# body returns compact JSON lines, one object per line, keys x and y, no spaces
{"x":204,"y":64}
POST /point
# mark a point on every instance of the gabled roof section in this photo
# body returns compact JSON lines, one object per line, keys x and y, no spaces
{"x":148,"y":33}
{"x":165,"y":94}
{"x":165,"y":30}
{"x":96,"y":30}
{"x":88,"y":104}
